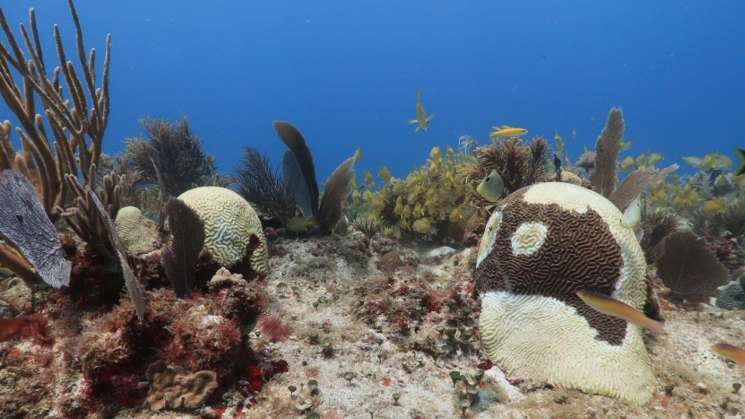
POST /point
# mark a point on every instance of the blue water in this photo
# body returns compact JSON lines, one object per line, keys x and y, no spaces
{"x":345,"y":72}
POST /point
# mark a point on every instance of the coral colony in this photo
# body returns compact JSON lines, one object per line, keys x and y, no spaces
{"x":148,"y":283}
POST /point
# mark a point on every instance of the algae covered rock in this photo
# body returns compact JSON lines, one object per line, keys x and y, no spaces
{"x":542,"y":244}
{"x":230,"y":226}
{"x":138,"y":233}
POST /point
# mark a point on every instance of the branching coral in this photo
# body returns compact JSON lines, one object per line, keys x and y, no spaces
{"x":176,"y":151}
{"x":77,"y":123}
{"x":264,"y":188}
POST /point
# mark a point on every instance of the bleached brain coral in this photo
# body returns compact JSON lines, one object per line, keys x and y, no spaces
{"x":552,"y":240}
{"x":230,"y":226}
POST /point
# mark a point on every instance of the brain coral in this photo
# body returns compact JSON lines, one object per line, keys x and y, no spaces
{"x":230,"y":224}
{"x":138,"y":234}
{"x":542,"y":244}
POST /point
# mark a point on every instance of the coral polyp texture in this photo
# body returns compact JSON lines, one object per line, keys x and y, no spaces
{"x":138,"y":234}
{"x":230,"y":223}
{"x":542,"y":244}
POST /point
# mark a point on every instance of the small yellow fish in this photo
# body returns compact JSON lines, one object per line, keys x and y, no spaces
{"x":299,"y":224}
{"x":612,"y":307}
{"x":731,"y":352}
{"x":741,"y":154}
{"x":507,"y":131}
{"x":491,"y":187}
{"x":422,"y":119}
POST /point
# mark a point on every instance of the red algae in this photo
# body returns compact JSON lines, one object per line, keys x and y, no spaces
{"x":32,"y":327}
{"x":274,"y":328}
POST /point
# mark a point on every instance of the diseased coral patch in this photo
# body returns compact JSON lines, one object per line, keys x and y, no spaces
{"x":577,"y":251}
{"x":528,"y":238}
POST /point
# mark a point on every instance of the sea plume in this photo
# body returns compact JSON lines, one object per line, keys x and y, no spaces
{"x":265,"y":188}
{"x":607,"y":147}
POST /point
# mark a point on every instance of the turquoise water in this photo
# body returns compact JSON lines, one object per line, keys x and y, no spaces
{"x":346,"y":72}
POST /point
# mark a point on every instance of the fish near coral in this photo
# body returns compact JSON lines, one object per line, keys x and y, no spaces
{"x":543,"y":243}
{"x":731,"y":352}
{"x":507,"y":131}
{"x":491,"y":187}
{"x":422,"y":120}
{"x":616,"y":308}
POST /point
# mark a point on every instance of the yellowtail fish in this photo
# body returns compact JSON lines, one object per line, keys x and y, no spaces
{"x":731,"y":352}
{"x":741,"y":154}
{"x":507,"y":131}
{"x":612,"y":307}
{"x":491,"y":187}
{"x":422,"y":119}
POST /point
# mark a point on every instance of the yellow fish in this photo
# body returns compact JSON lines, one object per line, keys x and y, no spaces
{"x":741,"y":154}
{"x":731,"y":352}
{"x":619,"y":309}
{"x":507,"y":131}
{"x":422,"y":119}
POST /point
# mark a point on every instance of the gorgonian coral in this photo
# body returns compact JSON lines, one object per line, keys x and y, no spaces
{"x":176,"y":151}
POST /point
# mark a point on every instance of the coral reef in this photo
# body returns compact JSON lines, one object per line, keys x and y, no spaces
{"x":607,"y":147}
{"x":542,"y":245}
{"x":172,"y":150}
{"x":230,"y":223}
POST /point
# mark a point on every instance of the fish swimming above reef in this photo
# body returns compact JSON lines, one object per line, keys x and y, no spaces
{"x":612,"y":307}
{"x":507,"y":131}
{"x":731,"y":352}
{"x":422,"y":119}
{"x":741,"y":154}
{"x":491,"y":187}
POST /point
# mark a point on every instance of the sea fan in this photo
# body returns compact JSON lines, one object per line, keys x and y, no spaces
{"x":689,"y":268}
{"x":180,"y":257}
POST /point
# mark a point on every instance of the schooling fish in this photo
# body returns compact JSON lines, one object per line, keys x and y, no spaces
{"x":731,"y":352}
{"x":422,"y":119}
{"x":491,"y":187}
{"x":741,"y":154}
{"x":612,"y":307}
{"x":507,"y":131}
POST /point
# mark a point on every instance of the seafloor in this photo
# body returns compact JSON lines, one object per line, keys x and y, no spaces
{"x":380,"y":327}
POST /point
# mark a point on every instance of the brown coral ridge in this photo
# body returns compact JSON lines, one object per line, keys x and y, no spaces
{"x":556,"y":270}
{"x":170,"y":390}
